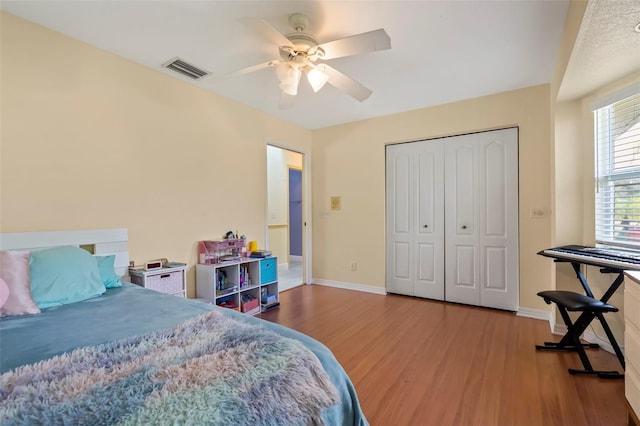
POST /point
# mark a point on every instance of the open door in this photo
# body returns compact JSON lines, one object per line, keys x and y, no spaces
{"x":285,"y":177}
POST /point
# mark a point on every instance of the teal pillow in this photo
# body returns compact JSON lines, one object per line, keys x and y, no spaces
{"x":107,"y":271}
{"x":63,"y":275}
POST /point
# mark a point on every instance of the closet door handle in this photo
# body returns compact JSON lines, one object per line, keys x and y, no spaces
{"x":426,"y":226}
{"x":464,"y":226}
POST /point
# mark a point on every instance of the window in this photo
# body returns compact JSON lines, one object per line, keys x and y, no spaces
{"x":617,"y":140}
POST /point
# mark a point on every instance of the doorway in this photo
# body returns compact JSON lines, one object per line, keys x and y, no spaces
{"x":286,"y":214}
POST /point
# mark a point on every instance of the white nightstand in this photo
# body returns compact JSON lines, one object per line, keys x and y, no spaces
{"x":166,"y":280}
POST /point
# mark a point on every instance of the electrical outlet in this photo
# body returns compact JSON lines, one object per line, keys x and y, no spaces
{"x":354,"y":266}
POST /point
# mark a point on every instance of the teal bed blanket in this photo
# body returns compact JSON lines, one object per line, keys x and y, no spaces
{"x":153,"y":337}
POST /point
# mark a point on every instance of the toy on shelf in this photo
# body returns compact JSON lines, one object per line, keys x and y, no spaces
{"x":211,"y":252}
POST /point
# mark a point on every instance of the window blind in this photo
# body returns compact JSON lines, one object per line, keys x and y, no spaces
{"x":617,"y":144}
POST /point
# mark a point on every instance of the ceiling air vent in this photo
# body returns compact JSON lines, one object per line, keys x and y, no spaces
{"x":184,"y":68}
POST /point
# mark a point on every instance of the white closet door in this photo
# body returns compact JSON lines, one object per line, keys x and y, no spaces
{"x":399,"y":238}
{"x":429,"y":221}
{"x":461,"y":191}
{"x":482,"y":219}
{"x":498,"y":212}
{"x":415,"y":219}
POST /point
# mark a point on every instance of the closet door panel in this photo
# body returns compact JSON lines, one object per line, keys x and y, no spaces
{"x":495,"y":268}
{"x":401,"y":257}
{"x":415,"y":219}
{"x":464,"y":175}
{"x":429,"y":233}
{"x":401,"y":270}
{"x":426,"y":254}
{"x":399,"y":277}
{"x":401,"y":198}
{"x":498,"y":233}
{"x":495,"y":199}
{"x":461,"y":272}
{"x":462,"y":276}
{"x":426,"y":193}
{"x":465,"y":266}
{"x":426,"y":283}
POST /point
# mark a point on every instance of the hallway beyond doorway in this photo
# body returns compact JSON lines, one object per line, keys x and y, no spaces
{"x":290,"y":276}
{"x":286,"y":214}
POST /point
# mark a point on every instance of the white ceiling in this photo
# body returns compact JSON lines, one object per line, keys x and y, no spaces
{"x":606,"y":49}
{"x":442,"y":51}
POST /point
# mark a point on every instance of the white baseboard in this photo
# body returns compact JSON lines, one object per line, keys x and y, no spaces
{"x":350,"y":286}
{"x":534,"y":313}
{"x":588,"y":336}
{"x":293,"y":258}
{"x":559,"y":330}
{"x":591,"y":337}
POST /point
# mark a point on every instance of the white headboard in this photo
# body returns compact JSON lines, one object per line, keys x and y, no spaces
{"x":100,"y":241}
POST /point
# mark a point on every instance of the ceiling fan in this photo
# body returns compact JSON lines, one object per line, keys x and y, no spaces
{"x":300,"y":53}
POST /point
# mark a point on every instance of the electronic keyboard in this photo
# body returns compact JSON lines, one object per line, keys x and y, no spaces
{"x":595,"y":256}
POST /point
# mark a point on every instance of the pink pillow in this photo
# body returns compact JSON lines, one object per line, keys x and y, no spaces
{"x":4,"y":292}
{"x":14,"y":271}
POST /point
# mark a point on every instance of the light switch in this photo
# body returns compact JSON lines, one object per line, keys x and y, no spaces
{"x":335,"y":203}
{"x":536,"y":213}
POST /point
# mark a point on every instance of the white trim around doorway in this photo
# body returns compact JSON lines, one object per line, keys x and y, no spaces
{"x":306,"y":206}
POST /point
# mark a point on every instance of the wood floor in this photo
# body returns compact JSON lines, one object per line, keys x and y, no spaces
{"x":421,"y":362}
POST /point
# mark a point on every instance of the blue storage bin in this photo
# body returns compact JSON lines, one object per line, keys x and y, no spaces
{"x":268,"y":270}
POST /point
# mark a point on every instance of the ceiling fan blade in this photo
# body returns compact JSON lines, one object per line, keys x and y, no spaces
{"x":265,"y":29}
{"x":246,"y":70}
{"x":356,"y":44}
{"x":286,"y":101}
{"x":346,"y":84}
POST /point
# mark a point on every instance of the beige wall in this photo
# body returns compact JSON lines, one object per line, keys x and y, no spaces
{"x":579,"y":168}
{"x":566,"y":151}
{"x":573,"y":175}
{"x":349,"y":161}
{"x":565,"y":155}
{"x":569,"y":164}
{"x":90,"y":140}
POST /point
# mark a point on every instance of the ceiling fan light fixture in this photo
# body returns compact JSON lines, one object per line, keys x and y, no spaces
{"x":282,"y":71}
{"x":317,"y":79}
{"x":300,"y":50}
{"x":289,"y":78}
{"x":289,"y":87}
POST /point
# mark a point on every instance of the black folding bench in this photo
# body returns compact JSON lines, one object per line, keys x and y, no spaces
{"x":569,"y":301}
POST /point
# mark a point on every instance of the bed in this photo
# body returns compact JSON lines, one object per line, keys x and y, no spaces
{"x":134,"y":356}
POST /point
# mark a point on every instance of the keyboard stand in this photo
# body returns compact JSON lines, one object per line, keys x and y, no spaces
{"x":567,"y":343}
